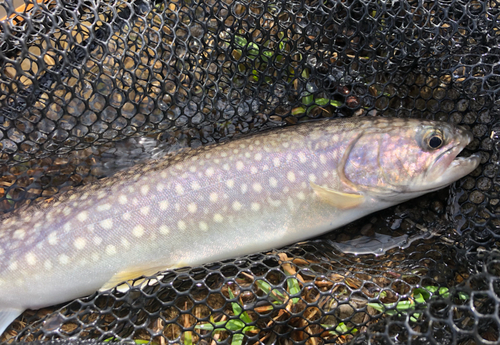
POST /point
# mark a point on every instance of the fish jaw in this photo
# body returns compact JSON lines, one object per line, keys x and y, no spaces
{"x":447,"y":167}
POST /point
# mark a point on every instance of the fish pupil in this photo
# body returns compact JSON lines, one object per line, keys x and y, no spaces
{"x":435,"y":142}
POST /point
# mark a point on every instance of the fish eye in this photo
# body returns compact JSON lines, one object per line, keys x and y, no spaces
{"x":434,"y":139}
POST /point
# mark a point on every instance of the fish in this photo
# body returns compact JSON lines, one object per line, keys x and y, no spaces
{"x":221,"y":201}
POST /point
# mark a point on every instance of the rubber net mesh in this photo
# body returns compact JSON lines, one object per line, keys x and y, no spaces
{"x":91,"y":87}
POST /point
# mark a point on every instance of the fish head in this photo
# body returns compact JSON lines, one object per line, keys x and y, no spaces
{"x":406,"y":158}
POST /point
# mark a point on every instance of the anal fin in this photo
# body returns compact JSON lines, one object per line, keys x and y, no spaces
{"x":130,"y":274}
{"x":337,"y":199}
{"x":7,"y":316}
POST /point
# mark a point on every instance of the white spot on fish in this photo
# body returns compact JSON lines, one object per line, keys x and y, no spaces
{"x":258,"y":157}
{"x":67,"y":211}
{"x":273,"y":182}
{"x":218,"y":218}
{"x":312,"y":177}
{"x":253,"y":170}
{"x":80,"y":243}
{"x":145,"y":210}
{"x":31,"y":259}
{"x":144,"y":190}
{"x":286,"y":145}
{"x":13,"y":266}
{"x":104,"y":207}
{"x":226,"y":167}
{"x":237,"y":206}
{"x":107,"y":223}
{"x":127,"y":216}
{"x":52,"y":238}
{"x":179,"y":189}
{"x":122,"y":199}
{"x":163,"y":205}
{"x":195,"y":185}
{"x":163,"y":174}
{"x":203,"y":226}
{"x":244,"y":188}
{"x":213,"y":197}
{"x":301,"y":196}
{"x":160,"y":187}
{"x":19,"y":234}
{"x":164,"y":230}
{"x":63,"y":259}
{"x":230,"y":183}
{"x":209,"y":172}
{"x":47,"y":265}
{"x":274,"y":203}
{"x":125,"y":243}
{"x":257,"y":187}
{"x":302,"y":157}
{"x":276,"y":162}
{"x":255,"y":206}
{"x":322,"y":158}
{"x":110,"y":250}
{"x":290,"y":176}
{"x":192,"y":207}
{"x":97,"y":240}
{"x":181,"y":225}
{"x":82,"y":216}
{"x":192,"y":168}
{"x":325,"y":173}
{"x":138,"y":231}
{"x":95,"y":257}
{"x":240,"y":166}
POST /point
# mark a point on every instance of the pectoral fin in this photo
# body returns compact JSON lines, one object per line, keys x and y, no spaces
{"x":7,"y":316}
{"x":339,"y":200}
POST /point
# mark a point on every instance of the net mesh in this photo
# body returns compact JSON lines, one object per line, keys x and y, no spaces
{"x":90,"y":87}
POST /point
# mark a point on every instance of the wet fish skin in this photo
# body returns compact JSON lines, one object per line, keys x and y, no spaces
{"x":218,"y":202}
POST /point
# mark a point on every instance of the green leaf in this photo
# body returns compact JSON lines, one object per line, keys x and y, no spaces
{"x":236,"y":308}
{"x":234,"y":325}
{"x":306,"y":100}
{"x":293,"y":288}
{"x":267,"y":290}
{"x":340,"y":329}
{"x":298,"y":111}
{"x":237,"y":339}
{"x":188,"y":339}
{"x":241,"y":41}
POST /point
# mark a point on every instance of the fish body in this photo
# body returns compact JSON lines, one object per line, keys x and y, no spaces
{"x":220,"y":201}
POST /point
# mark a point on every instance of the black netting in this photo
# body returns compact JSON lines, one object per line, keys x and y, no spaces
{"x":90,"y":87}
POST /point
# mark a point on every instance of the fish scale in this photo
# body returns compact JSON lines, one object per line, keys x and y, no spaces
{"x":218,"y":202}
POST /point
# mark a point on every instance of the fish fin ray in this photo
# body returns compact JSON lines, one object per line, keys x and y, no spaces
{"x":7,"y":316}
{"x":339,"y":200}
{"x":121,"y":277}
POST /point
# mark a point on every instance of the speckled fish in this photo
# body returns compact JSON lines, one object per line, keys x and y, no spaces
{"x":221,"y":201}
